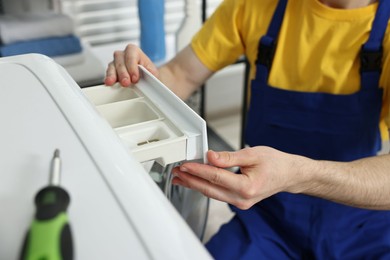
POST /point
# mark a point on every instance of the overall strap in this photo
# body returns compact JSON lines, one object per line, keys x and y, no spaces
{"x":372,"y":52}
{"x":267,"y":44}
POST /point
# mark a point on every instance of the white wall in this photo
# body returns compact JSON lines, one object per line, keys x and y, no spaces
{"x":224,"y":91}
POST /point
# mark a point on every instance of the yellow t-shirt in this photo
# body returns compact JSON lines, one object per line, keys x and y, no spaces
{"x":318,"y":46}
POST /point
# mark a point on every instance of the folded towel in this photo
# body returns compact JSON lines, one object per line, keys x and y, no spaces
{"x":54,"y":46}
{"x":70,"y":59}
{"x":26,"y":26}
{"x":28,"y":6}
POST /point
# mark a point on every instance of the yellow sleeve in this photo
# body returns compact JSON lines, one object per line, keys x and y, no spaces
{"x":219,"y":43}
{"x":385,"y":83}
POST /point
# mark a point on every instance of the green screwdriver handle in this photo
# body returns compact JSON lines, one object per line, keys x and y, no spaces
{"x":49,"y":237}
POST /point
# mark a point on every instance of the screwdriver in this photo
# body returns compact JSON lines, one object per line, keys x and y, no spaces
{"x":49,"y":236}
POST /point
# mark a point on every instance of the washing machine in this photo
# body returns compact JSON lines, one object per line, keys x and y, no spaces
{"x":118,"y":146}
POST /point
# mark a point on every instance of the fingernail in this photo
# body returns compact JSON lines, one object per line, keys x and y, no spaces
{"x":124,"y":81}
{"x":183,"y":168}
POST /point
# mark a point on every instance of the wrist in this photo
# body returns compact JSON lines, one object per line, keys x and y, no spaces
{"x":306,"y":175}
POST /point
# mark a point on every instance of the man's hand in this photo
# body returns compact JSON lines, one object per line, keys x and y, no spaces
{"x":124,"y":67}
{"x":264,"y":172}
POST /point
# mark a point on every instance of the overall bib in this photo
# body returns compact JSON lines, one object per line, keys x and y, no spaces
{"x":320,"y":126}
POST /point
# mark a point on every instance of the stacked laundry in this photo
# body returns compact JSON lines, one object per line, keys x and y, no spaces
{"x":48,"y":33}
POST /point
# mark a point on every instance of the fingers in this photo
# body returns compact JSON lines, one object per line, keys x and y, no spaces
{"x":215,"y":173}
{"x":148,"y":64}
{"x":124,"y":67}
{"x":131,"y":60}
{"x":121,"y":68}
{"x":230,"y":159}
{"x":211,"y":174}
{"x":110,"y":75}
{"x":207,"y":188}
{"x":261,"y":175}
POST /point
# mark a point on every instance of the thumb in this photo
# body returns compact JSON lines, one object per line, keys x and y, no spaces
{"x":226,"y":159}
{"x":149,"y":65}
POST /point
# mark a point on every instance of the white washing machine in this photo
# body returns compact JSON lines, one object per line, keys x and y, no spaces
{"x":117,"y":146}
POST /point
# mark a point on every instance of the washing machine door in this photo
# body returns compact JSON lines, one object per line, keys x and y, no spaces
{"x":193,"y":206}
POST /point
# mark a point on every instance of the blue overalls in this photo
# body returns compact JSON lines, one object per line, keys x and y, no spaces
{"x":320,"y":126}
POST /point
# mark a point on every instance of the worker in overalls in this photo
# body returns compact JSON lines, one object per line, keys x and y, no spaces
{"x":311,"y":185}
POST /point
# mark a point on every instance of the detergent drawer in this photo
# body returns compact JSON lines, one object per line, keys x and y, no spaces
{"x":151,"y":121}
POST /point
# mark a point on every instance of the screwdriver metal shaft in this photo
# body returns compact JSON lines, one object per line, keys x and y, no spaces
{"x":55,"y":173}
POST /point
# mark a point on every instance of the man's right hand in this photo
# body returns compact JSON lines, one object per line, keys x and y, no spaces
{"x":124,"y":67}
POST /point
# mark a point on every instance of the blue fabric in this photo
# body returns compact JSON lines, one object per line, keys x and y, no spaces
{"x":152,"y":36}
{"x":320,"y":126}
{"x":274,"y":26}
{"x":316,"y":125}
{"x":371,"y":78}
{"x":302,"y":227}
{"x":379,"y":26}
{"x":54,"y":46}
{"x":238,"y":240}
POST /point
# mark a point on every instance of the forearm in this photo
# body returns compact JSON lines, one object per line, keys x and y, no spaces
{"x":176,"y":80}
{"x":184,"y":74}
{"x":362,"y":183}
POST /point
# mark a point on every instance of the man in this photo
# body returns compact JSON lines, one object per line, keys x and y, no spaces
{"x":319,"y":102}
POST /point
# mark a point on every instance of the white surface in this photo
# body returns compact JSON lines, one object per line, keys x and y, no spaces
{"x":33,"y":26}
{"x":90,"y":69}
{"x":70,"y":60}
{"x":153,"y":122}
{"x":182,"y":116}
{"x":190,"y":25}
{"x":20,"y":6}
{"x":224,"y":91}
{"x":116,"y":210}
